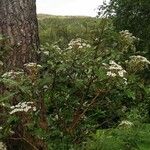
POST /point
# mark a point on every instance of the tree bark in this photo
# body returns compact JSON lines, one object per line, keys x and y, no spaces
{"x":19,"y":27}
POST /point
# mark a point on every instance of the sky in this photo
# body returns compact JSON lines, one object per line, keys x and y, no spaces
{"x":68,"y":7}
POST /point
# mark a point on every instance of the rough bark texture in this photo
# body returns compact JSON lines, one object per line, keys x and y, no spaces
{"x":18,"y":24}
{"x":19,"y":27}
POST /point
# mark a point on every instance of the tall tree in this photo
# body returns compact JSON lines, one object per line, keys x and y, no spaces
{"x":19,"y":27}
{"x":19,"y":31}
{"x":133,"y":15}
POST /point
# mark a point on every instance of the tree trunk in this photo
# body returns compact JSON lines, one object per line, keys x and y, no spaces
{"x":19,"y":27}
{"x":19,"y":45}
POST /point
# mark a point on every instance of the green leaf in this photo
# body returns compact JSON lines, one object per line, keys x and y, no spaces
{"x":9,"y":96}
{"x":101,"y":73}
{"x":130,"y":94}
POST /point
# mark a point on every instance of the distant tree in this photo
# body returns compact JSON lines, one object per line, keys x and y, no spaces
{"x":132,"y":15}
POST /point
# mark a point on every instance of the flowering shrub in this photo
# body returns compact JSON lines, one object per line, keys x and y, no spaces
{"x":78,"y":44}
{"x":87,"y":85}
{"x":137,"y":63}
{"x":127,"y":39}
{"x":115,"y":70}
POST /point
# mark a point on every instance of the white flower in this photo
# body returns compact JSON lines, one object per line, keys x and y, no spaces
{"x":16,"y":110}
{"x":22,"y":107}
{"x":88,"y":46}
{"x":114,"y":66}
{"x":46,"y":53}
{"x":121,"y":73}
{"x":45,"y":87}
{"x":39,"y":66}
{"x":111,"y":62}
{"x":26,"y":109}
{"x":12,"y":74}
{"x":56,"y":117}
{"x":1,"y":63}
{"x":109,"y":73}
{"x":125,"y":81}
{"x":32,"y":67}
{"x":12,"y":107}
{"x":96,"y":39}
{"x":104,"y":64}
{"x":126,"y":123}
{"x":2,"y":146}
{"x":31,"y":64}
{"x":80,"y":47}
{"x":34,"y":108}
{"x":115,"y":70}
{"x":3,"y":104}
{"x":127,"y":34}
{"x":83,"y":44}
{"x":78,"y":43}
{"x":140,"y":58}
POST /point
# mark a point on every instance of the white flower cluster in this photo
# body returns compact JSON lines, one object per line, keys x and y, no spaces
{"x":78,"y":43}
{"x":127,"y":35}
{"x":127,"y":40}
{"x":2,"y":146}
{"x":115,"y":70}
{"x":22,"y":107}
{"x":32,"y":65}
{"x":12,"y":74}
{"x":139,"y":58}
{"x":126,"y":123}
{"x":137,"y":63}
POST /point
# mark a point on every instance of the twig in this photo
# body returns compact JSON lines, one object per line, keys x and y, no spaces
{"x":76,"y":120}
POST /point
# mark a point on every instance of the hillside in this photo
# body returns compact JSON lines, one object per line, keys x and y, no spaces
{"x":64,"y":28}
{"x":44,"y":16}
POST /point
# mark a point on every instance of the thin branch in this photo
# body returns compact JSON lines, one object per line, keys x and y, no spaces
{"x":76,"y":120}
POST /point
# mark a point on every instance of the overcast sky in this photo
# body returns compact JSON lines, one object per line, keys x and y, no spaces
{"x":68,"y":7}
